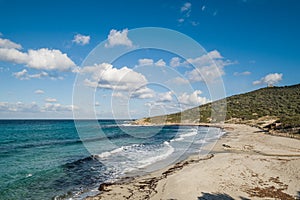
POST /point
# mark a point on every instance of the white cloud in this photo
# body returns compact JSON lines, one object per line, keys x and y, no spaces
{"x":192,"y":99}
{"x":7,"y":44}
{"x":175,"y":62}
{"x":47,"y":59}
{"x":160,"y":63}
{"x":51,"y":100}
{"x":181,"y":20}
{"x":118,"y":94}
{"x":13,"y":55}
{"x":39,"y":92}
{"x":42,"y":59}
{"x":178,"y":81}
{"x":143,"y":93}
{"x":23,"y":75}
{"x":186,"y":7}
{"x":245,"y":73}
{"x":116,"y":38}
{"x":269,"y":79}
{"x":185,"y":11}
{"x":203,"y":8}
{"x":208,"y":67}
{"x":20,"y":107}
{"x":165,"y":97}
{"x":56,"y":107}
{"x":150,"y":62}
{"x":108,"y":77}
{"x":145,"y":62}
{"x":81,"y":39}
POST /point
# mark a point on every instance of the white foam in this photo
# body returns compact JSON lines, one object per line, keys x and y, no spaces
{"x":185,"y":135}
{"x":28,"y":175}
{"x":109,"y":153}
{"x":189,"y":134}
{"x":146,"y":162}
{"x":117,"y":150}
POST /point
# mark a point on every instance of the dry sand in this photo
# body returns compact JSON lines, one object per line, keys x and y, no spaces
{"x":244,"y":164}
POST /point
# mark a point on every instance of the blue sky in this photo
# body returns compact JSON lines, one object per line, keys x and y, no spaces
{"x":44,"y":45}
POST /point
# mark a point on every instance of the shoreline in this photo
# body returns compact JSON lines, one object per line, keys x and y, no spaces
{"x":244,"y":162}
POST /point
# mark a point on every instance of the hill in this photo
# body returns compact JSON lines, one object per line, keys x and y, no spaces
{"x":276,"y":109}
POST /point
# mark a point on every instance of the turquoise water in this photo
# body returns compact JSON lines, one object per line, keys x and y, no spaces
{"x":46,"y":159}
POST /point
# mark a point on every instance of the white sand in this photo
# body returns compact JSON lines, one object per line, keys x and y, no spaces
{"x":245,"y":164}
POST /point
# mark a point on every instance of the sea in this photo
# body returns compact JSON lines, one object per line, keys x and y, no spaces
{"x":67,"y":159}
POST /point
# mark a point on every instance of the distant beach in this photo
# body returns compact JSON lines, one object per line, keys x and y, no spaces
{"x":245,"y":163}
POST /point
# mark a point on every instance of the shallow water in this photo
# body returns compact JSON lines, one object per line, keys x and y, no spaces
{"x":43,"y":159}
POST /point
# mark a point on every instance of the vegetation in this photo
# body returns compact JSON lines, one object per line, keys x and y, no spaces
{"x":276,"y":108}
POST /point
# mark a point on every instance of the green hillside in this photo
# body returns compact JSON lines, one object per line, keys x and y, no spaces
{"x":273,"y":108}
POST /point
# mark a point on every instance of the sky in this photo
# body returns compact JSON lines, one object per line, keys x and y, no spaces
{"x":132,"y":59}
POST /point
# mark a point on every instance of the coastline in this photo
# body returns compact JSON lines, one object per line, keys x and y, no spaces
{"x":244,"y":163}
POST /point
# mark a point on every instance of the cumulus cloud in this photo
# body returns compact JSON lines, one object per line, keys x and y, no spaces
{"x":13,"y":55}
{"x":160,"y":63}
{"x":51,"y":100}
{"x":143,"y":93}
{"x":269,"y":79}
{"x":106,"y":76}
{"x":42,"y":59}
{"x":39,"y":92}
{"x":145,"y":62}
{"x":18,"y":107}
{"x":208,"y":67}
{"x":81,"y":39}
{"x":175,"y":62}
{"x":24,"y":75}
{"x":165,"y":97}
{"x":192,"y":99}
{"x":245,"y":73}
{"x":116,"y":38}
{"x":33,"y":107}
{"x":7,"y":44}
{"x":150,"y":62}
{"x":49,"y":59}
{"x":56,"y":107}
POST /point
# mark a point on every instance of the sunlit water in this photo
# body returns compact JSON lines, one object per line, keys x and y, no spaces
{"x":45,"y":159}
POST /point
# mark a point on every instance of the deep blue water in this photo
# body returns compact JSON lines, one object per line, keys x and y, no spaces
{"x":46,"y":159}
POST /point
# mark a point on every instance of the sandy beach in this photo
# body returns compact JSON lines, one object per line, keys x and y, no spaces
{"x":244,"y":164}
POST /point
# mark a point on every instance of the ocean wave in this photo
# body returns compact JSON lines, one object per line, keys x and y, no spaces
{"x":167,"y":152}
{"x":181,"y":137}
{"x":109,"y":153}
